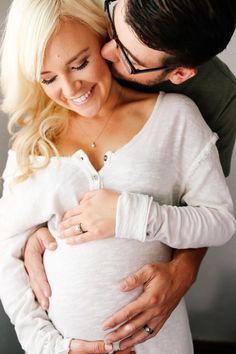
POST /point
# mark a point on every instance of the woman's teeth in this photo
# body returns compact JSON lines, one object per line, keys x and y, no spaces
{"x":82,"y":98}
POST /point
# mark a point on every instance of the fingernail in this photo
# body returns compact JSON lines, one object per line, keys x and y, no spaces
{"x":123,"y":286}
{"x":105,"y":327}
{"x":44,"y":305}
{"x":52,"y":245}
{"x":108,"y":347}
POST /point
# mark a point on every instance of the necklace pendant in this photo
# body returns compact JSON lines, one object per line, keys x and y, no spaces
{"x":93,"y":145}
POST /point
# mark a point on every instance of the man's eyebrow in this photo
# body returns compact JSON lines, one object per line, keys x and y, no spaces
{"x":126,"y":49}
{"x":71,"y":60}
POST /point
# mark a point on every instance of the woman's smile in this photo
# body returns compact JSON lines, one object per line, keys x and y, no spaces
{"x":80,"y":100}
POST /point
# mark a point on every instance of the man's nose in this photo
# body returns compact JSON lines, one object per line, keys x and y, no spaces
{"x":110,"y":51}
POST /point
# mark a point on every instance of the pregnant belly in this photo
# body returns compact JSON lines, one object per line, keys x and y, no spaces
{"x":85,"y":282}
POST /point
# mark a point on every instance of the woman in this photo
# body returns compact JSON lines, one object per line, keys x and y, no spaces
{"x":78,"y":130}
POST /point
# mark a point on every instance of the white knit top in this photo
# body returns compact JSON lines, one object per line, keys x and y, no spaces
{"x":173,"y":194}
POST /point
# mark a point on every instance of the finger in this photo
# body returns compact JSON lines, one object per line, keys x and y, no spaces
{"x":130,"y":327}
{"x":141,"y":335}
{"x":88,"y":196}
{"x":46,"y":239}
{"x":136,"y":279}
{"x":72,"y":212}
{"x":82,"y":238}
{"x":38,"y":281}
{"x":42,"y":293}
{"x":33,"y":263}
{"x":128,"y":312}
{"x":84,"y":347}
{"x":70,"y":224}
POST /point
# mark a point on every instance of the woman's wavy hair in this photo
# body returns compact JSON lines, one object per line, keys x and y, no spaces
{"x":35,"y":120}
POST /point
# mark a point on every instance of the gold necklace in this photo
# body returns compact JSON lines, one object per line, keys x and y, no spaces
{"x":93,"y":143}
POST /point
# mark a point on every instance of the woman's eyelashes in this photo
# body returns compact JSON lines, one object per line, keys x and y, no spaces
{"x":84,"y":63}
{"x":81,"y":66}
{"x":49,"y":81}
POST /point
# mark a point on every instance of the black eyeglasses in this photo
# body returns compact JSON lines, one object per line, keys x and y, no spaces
{"x":109,"y":7}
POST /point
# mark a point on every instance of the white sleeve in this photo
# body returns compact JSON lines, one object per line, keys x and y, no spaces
{"x":205,"y":219}
{"x":35,"y":331}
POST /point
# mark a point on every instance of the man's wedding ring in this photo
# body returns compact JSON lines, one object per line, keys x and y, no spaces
{"x":148,"y":329}
{"x":79,"y":228}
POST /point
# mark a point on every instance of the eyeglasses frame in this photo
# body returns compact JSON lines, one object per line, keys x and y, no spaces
{"x":114,"y":36}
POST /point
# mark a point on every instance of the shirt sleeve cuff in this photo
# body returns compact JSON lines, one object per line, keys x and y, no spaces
{"x":54,"y":343}
{"x":132,"y":216}
{"x":64,"y":346}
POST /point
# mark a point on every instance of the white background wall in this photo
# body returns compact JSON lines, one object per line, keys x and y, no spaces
{"x":212,"y":300}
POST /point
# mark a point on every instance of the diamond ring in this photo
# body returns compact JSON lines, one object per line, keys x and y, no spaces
{"x":79,"y":228}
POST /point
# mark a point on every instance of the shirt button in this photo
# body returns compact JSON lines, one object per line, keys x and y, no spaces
{"x":81,"y":158}
{"x":95,"y":177}
{"x":105,"y":157}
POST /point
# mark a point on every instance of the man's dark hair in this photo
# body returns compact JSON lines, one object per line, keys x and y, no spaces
{"x":191,"y":31}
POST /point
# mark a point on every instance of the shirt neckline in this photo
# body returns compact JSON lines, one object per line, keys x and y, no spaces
{"x":119,"y":150}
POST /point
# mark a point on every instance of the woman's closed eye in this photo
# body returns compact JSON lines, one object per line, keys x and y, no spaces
{"x":81,"y":66}
{"x":48,"y":81}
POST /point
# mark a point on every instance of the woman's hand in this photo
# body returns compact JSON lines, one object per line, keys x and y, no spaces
{"x":94,"y":218}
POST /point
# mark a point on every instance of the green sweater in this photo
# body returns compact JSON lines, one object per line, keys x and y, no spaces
{"x":213,"y":89}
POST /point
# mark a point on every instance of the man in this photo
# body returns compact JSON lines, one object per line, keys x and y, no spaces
{"x":161,"y":45}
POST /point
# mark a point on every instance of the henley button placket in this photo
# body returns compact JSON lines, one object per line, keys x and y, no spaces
{"x":107,"y":157}
{"x":96,"y":181}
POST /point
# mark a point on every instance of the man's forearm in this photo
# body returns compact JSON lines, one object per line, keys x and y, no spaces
{"x":187,"y":263}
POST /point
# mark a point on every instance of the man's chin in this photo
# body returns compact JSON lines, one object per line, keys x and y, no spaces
{"x":136,"y":85}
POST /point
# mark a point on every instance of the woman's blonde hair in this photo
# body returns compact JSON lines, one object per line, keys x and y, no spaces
{"x":35,"y":120}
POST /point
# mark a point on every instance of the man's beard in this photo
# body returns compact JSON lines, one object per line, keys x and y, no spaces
{"x":150,"y":86}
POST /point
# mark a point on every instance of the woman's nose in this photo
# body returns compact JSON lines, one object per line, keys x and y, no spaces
{"x":70,"y":88}
{"x":110,"y":51}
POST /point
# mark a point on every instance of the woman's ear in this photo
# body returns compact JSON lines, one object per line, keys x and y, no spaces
{"x":181,"y":74}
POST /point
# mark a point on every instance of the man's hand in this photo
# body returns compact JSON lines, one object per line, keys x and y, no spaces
{"x":164,"y":286}
{"x":34,"y":250}
{"x":84,"y":347}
